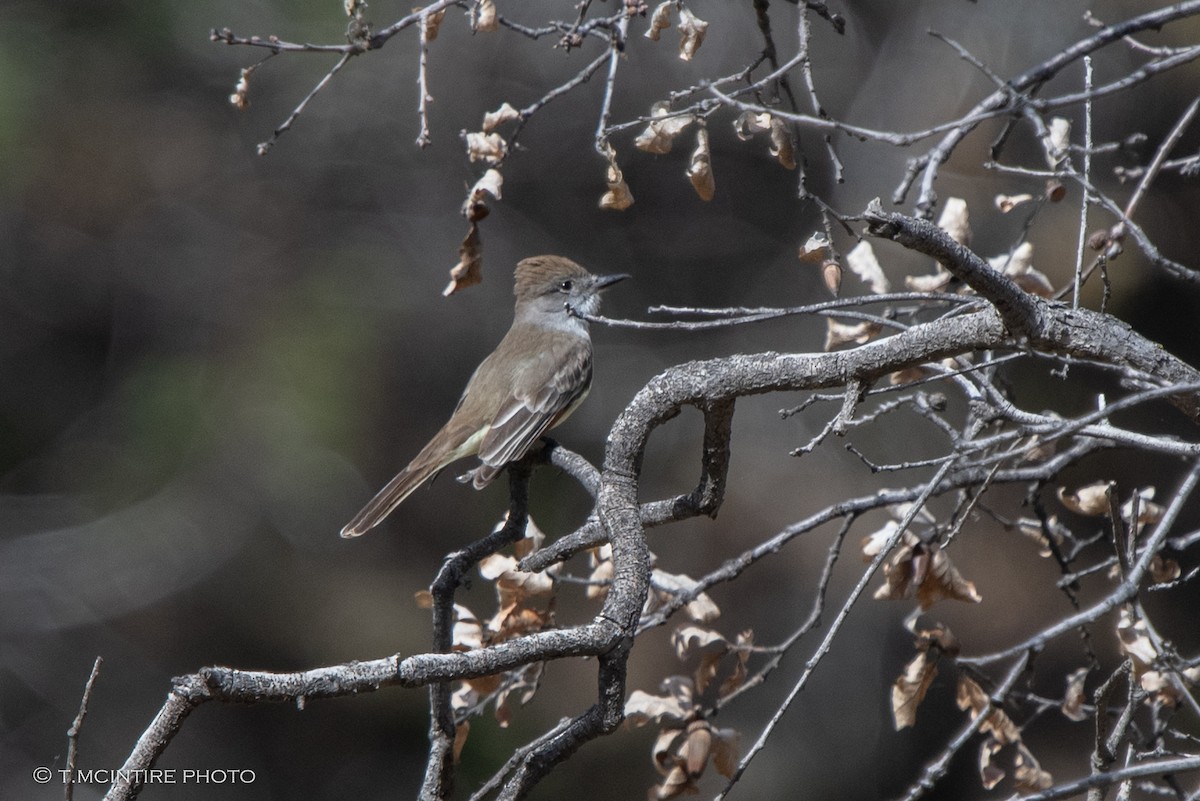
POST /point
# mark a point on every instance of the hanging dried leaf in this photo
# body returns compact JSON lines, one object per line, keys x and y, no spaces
{"x":990,"y":774}
{"x":831,"y":275}
{"x":1006,"y":203}
{"x":816,"y":250}
{"x":618,"y":197}
{"x":936,"y":282}
{"x":781,"y":144}
{"x":475,"y":207}
{"x":1074,"y":698}
{"x":691,"y":33}
{"x":909,"y":688}
{"x":875,"y":542}
{"x":739,"y":655}
{"x":469,"y":270}
{"x":460,"y":739}
{"x":838,"y":334}
{"x":700,"y":168}
{"x":485,"y":16}
{"x":1164,"y":570}
{"x":1134,"y":637}
{"x":689,"y":640}
{"x":504,"y":114}
{"x":467,"y":633}
{"x":660,"y":20}
{"x":514,"y":586}
{"x":1057,"y":142}
{"x":862,"y":262}
{"x":971,"y":697}
{"x":1091,"y":500}
{"x":659,"y":135}
{"x":681,"y":755}
{"x":432,"y":23}
{"x":1055,"y":191}
{"x":1028,"y":776}
{"x":666,"y":587}
{"x":489,"y":147}
{"x":675,"y":704}
{"x":748,"y":123}
{"x":923,"y":571}
{"x":955,"y":221}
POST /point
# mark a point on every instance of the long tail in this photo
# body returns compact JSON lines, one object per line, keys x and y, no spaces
{"x":449,"y":444}
{"x":388,"y":498}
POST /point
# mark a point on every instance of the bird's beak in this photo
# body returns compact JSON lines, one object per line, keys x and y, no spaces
{"x":605,"y":281}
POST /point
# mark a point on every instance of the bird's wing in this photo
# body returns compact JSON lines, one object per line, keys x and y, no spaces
{"x":547,"y":389}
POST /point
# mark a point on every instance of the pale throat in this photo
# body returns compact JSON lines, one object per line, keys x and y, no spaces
{"x":554,"y":316}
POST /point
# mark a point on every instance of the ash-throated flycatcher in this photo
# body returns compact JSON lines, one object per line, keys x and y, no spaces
{"x":531,"y":382}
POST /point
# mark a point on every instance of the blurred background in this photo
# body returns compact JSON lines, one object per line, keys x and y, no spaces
{"x":211,"y":359}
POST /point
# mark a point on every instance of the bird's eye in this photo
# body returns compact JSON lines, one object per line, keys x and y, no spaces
{"x":565,"y":286}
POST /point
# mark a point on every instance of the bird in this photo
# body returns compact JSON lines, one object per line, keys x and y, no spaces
{"x":539,"y":373}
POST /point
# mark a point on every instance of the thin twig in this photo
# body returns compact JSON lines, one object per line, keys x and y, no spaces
{"x":614,"y":58}
{"x":1087,"y":178}
{"x":263,"y":147}
{"x":76,"y":726}
{"x":1160,"y":155}
{"x":423,"y":138}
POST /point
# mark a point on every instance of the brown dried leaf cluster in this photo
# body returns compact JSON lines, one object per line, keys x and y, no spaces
{"x":469,"y":270}
{"x":664,"y":587}
{"x":692,"y":29}
{"x":917,"y":570}
{"x":910,"y":687}
{"x":1001,"y":736}
{"x":525,"y":604}
{"x":1002,"y":749}
{"x":700,"y":168}
{"x":1074,"y":698}
{"x":750,"y":123}
{"x":687,"y":741}
{"x":660,"y":20}
{"x":1165,"y":685}
{"x":691,"y":33}
{"x":660,"y":133}
{"x":618,"y":197}
{"x":1137,"y":512}
{"x":485,"y":16}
